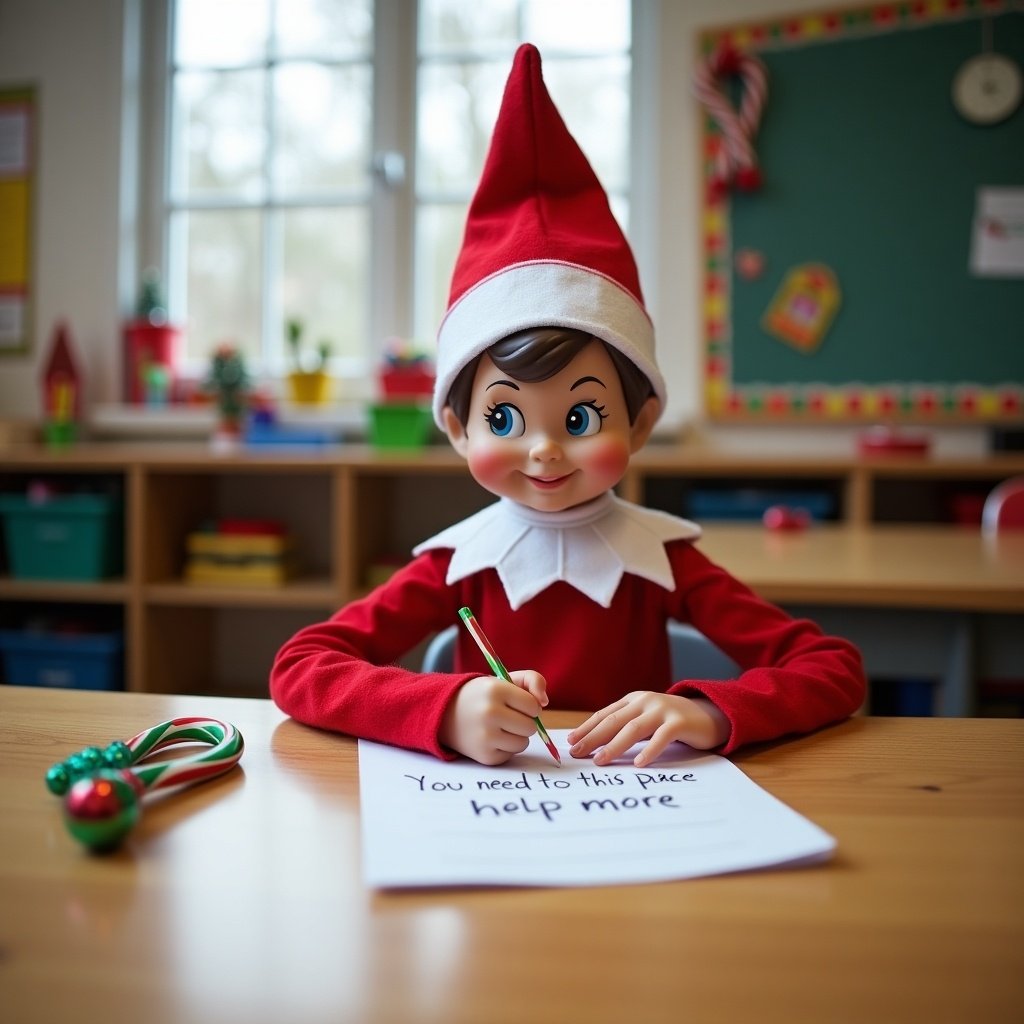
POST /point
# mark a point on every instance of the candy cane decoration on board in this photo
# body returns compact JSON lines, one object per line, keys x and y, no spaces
{"x":736,"y":160}
{"x":101,"y":788}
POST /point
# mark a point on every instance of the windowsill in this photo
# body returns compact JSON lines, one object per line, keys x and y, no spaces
{"x":195,"y":422}
{"x":337,"y":421}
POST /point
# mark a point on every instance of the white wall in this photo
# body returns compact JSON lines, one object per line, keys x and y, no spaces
{"x":72,"y":50}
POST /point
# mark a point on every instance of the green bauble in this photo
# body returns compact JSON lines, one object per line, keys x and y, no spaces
{"x":117,"y":755}
{"x":58,"y":779}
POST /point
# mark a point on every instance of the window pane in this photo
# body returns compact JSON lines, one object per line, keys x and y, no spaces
{"x":220,"y":33}
{"x":218,"y":136}
{"x":322,"y":128}
{"x":593,"y":98}
{"x":458,"y":26}
{"x":219,"y":253}
{"x":438,"y":238}
{"x":324,"y":28}
{"x":324,"y":283}
{"x":458,"y":105}
{"x":578,"y":26}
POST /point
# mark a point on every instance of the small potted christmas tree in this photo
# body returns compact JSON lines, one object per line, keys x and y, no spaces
{"x":229,"y":383}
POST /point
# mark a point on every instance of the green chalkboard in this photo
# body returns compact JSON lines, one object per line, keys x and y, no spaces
{"x":867,"y":169}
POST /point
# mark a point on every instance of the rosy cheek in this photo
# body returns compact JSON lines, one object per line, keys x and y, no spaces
{"x":487,"y":461}
{"x":608,"y":459}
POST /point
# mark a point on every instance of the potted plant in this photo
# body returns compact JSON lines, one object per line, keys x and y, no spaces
{"x":307,"y":385}
{"x":149,"y":339}
{"x":228,"y":382}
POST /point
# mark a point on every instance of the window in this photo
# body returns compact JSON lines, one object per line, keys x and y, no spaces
{"x":321,"y":154}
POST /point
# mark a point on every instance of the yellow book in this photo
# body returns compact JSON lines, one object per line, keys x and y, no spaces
{"x":258,"y":574}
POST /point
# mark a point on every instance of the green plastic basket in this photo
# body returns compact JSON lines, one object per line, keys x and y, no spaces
{"x":400,"y":425}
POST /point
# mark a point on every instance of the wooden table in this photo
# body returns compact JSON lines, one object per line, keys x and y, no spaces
{"x":241,"y":899}
{"x":934,"y":603}
{"x":878,"y":566}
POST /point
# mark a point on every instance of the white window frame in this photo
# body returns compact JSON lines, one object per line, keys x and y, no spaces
{"x":392,"y":209}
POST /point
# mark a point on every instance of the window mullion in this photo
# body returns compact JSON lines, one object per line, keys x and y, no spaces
{"x":270,"y":219}
{"x":392,"y":207}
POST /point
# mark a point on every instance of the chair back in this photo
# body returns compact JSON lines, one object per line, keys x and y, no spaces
{"x":693,"y":655}
{"x":1004,"y":507}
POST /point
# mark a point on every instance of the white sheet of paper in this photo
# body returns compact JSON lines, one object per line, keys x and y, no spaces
{"x":434,"y":823}
{"x":997,"y":238}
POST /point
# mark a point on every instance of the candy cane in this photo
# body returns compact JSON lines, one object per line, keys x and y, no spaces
{"x":736,"y":160}
{"x":101,"y":788}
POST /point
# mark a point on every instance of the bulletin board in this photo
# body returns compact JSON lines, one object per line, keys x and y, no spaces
{"x":17,"y":170}
{"x":869,"y":183}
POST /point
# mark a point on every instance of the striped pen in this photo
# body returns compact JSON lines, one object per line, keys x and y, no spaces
{"x":499,"y":670}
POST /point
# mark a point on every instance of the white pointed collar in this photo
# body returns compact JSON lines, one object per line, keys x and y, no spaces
{"x":589,"y":546}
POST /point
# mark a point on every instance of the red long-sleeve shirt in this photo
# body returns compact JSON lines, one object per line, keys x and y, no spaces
{"x":339,"y":674}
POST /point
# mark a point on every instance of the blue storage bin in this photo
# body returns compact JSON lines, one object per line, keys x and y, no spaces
{"x":750,"y":503}
{"x":260,"y":435}
{"x":76,"y":661}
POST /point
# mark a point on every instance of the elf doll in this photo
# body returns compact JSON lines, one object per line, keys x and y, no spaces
{"x":546,"y":384}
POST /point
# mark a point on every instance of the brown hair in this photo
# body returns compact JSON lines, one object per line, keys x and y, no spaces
{"x":537,"y":353}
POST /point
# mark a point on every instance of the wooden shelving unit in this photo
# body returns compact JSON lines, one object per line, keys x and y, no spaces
{"x":349,"y":508}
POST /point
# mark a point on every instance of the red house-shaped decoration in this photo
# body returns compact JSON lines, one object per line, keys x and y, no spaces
{"x":62,"y":380}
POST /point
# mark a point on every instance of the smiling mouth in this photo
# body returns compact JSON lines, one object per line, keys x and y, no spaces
{"x":547,"y":483}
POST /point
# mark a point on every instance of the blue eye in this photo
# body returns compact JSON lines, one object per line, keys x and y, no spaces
{"x":505,"y":420}
{"x":583,"y":420}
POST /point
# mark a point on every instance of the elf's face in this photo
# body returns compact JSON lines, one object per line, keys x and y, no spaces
{"x":553,"y":444}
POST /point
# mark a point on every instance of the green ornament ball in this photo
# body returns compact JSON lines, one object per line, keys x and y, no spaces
{"x":117,"y":755}
{"x":58,"y":779}
{"x":92,"y":758}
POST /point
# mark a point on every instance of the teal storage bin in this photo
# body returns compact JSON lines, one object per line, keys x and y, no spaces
{"x":750,"y":503}
{"x":84,"y":661}
{"x":67,"y":537}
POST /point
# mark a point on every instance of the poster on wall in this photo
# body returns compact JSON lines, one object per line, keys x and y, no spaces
{"x":17,"y":169}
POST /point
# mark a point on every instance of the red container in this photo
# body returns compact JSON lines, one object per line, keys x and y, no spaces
{"x":407,"y":382}
{"x":147,"y":344}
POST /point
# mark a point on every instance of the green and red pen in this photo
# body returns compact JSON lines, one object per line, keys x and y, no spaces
{"x":499,"y":670}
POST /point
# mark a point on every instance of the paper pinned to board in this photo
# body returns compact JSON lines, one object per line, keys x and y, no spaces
{"x":997,"y":239}
{"x":529,"y":822}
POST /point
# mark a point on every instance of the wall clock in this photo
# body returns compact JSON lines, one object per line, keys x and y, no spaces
{"x":988,"y":88}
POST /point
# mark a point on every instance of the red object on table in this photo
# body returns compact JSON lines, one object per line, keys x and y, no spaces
{"x":782,"y":517}
{"x":887,"y":441}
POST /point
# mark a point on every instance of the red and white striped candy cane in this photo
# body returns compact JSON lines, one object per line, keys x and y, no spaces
{"x":736,"y":160}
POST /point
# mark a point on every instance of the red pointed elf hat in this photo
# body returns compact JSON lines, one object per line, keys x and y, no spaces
{"x":541,"y":246}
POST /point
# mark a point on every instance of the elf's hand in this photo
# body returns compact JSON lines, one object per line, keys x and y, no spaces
{"x":490,"y":720}
{"x":659,"y":718}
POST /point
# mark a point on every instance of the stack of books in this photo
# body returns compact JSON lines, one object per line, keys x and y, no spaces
{"x":240,"y":552}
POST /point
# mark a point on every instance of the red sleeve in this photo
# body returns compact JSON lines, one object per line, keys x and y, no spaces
{"x":339,"y":674}
{"x":795,"y":678}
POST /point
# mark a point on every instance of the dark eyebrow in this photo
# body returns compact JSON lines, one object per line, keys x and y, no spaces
{"x":507,"y":383}
{"x":583,"y":380}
